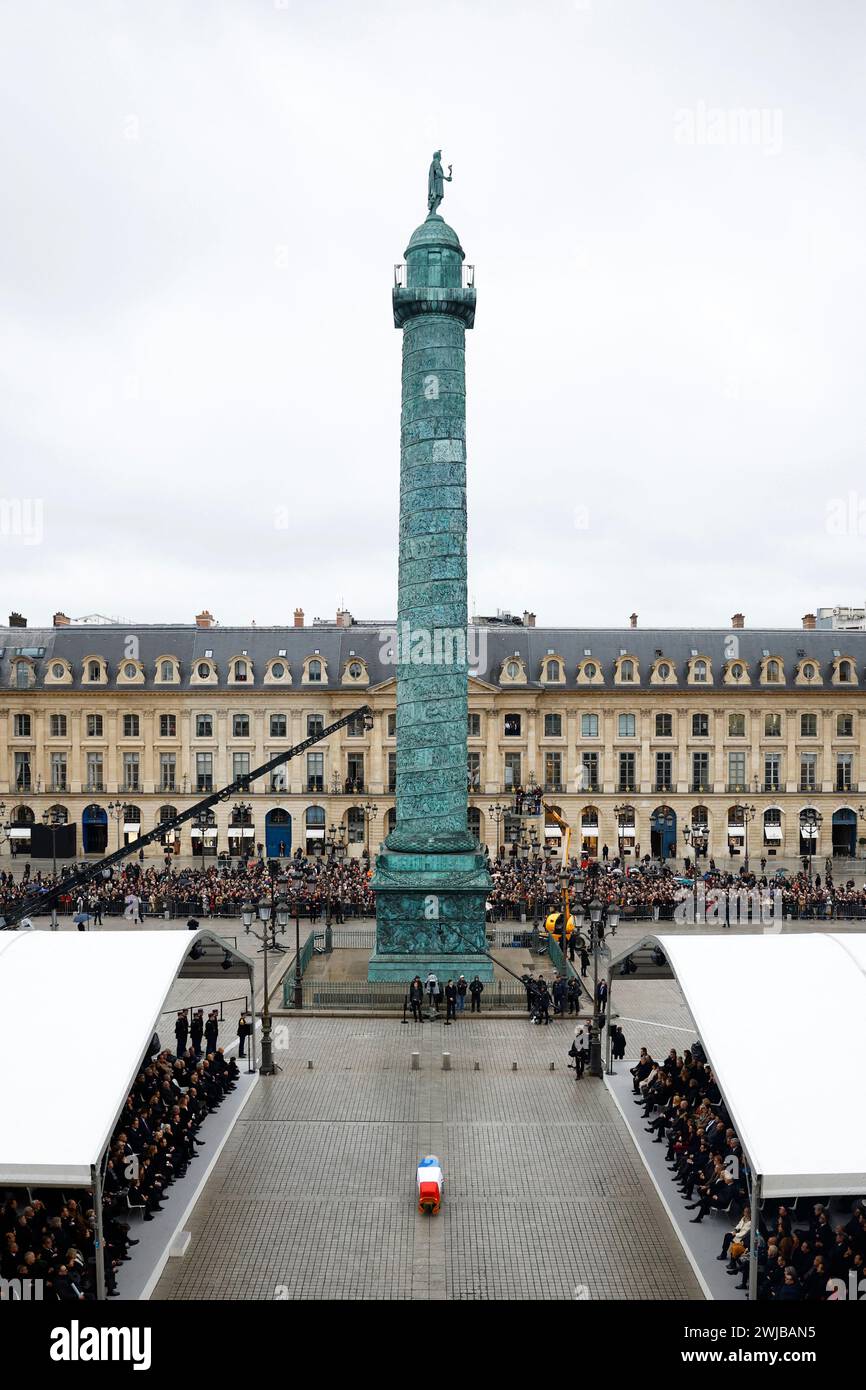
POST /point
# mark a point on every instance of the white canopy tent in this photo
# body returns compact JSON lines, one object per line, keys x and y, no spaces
{"x":761,"y":1003}
{"x":77,"y":1015}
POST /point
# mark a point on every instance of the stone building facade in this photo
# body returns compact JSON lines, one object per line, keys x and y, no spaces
{"x":635,"y":734}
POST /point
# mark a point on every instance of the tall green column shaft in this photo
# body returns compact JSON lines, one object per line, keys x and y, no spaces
{"x":431,"y":879}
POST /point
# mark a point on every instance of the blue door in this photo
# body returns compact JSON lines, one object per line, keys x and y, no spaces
{"x":278,"y":833}
{"x":845,"y":833}
{"x":94,"y":830}
{"x":663,"y":832}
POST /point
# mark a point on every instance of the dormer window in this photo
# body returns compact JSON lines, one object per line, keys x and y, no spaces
{"x":314,"y":671}
{"x":278,"y":670}
{"x":773,"y":670}
{"x":846,"y":672}
{"x":590,"y":670}
{"x":203,"y":670}
{"x":699,"y":671}
{"x":553,"y":669}
{"x":241,"y":671}
{"x":626,"y":670}
{"x":94,"y":671}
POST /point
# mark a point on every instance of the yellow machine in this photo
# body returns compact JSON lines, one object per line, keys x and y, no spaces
{"x":554,"y":917}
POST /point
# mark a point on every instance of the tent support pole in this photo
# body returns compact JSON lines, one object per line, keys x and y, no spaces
{"x":253,"y":1053}
{"x":753,"y":1238}
{"x":609,"y":1067}
{"x":98,"y":1237}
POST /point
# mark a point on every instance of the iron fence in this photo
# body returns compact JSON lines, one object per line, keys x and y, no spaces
{"x":499,"y":995}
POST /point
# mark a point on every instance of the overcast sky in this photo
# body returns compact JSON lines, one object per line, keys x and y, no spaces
{"x":202,"y":206}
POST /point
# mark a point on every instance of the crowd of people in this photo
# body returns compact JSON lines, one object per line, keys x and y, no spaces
{"x":802,"y":1251}
{"x":50,"y":1235}
{"x":310,"y":885}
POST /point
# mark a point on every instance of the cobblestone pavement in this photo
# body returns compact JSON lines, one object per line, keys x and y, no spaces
{"x":314,"y":1195}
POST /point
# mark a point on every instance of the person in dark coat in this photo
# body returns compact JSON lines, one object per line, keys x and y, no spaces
{"x":542,"y":1001}
{"x":196,"y":1031}
{"x":450,"y":1001}
{"x":243,"y":1034}
{"x":584,"y":959}
{"x":560,"y":995}
{"x":476,"y":989}
{"x":181,"y":1033}
{"x":211,"y":1031}
{"x":416,"y":999}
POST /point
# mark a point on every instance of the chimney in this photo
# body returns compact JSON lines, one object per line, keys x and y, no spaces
{"x":738,"y":620}
{"x":344,"y":617}
{"x":299,"y":617}
{"x":204,"y":619}
{"x":528,"y":619}
{"x":16,"y":620}
{"x":633,"y":620}
{"x":810,"y":621}
{"x":60,"y":620}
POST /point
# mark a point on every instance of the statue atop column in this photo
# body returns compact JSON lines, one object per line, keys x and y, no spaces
{"x":435,"y":183}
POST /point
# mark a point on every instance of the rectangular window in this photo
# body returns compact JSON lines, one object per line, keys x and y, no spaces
{"x":473,"y":725}
{"x":391,"y":725}
{"x":473,"y":765}
{"x":94,"y":772}
{"x":808,"y":726}
{"x":844,"y":726}
{"x":315,"y":772}
{"x":58,"y":772}
{"x":240,"y":765}
{"x":355,"y":726}
{"x":512,"y":770}
{"x":737,"y":772}
{"x":700,"y":726}
{"x":168,"y":726}
{"x":392,"y":772}
{"x":664,"y":772}
{"x":844,"y":769}
{"x":736,"y":726}
{"x":772,"y":772}
{"x":626,"y":771}
{"x":240,"y":726}
{"x":204,"y":771}
{"x":626,"y":725}
{"x":94,"y":726}
{"x":167,"y":772}
{"x":700,"y":772}
{"x":130,"y":772}
{"x":204,"y":726}
{"x":512,"y":726}
{"x":553,"y":772}
{"x":553,"y":726}
{"x":590,"y":775}
{"x":808,"y":771}
{"x":22,"y":772}
{"x":57,"y":725}
{"x":355,"y":772}
{"x":589,"y":726}
{"x":315,"y":725}
{"x":130,"y":726}
{"x":22,"y":676}
{"x":279,"y":726}
{"x":664,"y":725}
{"x":21,"y":725}
{"x":772,"y":726}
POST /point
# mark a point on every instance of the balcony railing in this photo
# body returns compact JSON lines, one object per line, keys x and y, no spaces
{"x":742,"y":787}
{"x":663,"y":786}
{"x":626,"y":787}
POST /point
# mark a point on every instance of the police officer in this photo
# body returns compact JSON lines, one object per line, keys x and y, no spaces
{"x":542,"y":1000}
{"x":476,"y":989}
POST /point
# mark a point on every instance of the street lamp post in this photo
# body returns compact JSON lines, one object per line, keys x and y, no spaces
{"x":204,"y":820}
{"x":117,"y":810}
{"x":371,"y":811}
{"x":497,"y":813}
{"x":271,"y":913}
{"x":748,"y":814}
{"x":812,"y":827}
{"x":620,"y":812}
{"x":241,"y":818}
{"x":595,"y":913}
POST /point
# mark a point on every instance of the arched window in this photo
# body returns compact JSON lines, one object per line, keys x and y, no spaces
{"x":314,"y":670}
{"x":773,"y":670}
{"x":355,"y":825}
{"x":166,"y":671}
{"x":94,"y":671}
{"x":846,"y":672}
{"x":699,"y":671}
{"x":58,"y":814}
{"x":626,"y":671}
{"x":241,"y":671}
